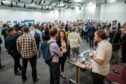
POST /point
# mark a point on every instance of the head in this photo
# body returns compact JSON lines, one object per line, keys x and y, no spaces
{"x":12,"y":31}
{"x":61,"y":35}
{"x":73,"y":29}
{"x":5,"y":26}
{"x":32,"y":27}
{"x":53,"y":32}
{"x":124,"y":26}
{"x":100,"y":35}
{"x":25,"y":30}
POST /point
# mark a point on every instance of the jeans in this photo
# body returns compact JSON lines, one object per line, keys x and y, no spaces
{"x":48,"y":62}
{"x":16,"y":57}
{"x":97,"y":78}
{"x":33,"y":65}
{"x":91,"y":41}
{"x":55,"y":73}
{"x":123,"y":55}
{"x":0,"y":56}
{"x":62,"y":61}
{"x":115,"y":49}
{"x":75,"y":52}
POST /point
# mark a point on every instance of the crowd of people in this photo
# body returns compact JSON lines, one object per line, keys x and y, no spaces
{"x":62,"y":40}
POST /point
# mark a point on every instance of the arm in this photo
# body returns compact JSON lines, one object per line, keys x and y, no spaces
{"x":18,"y":46}
{"x":100,"y":56}
{"x":34,"y":47}
{"x":57,"y":50}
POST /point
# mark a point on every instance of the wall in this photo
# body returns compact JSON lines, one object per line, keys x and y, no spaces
{"x":115,"y":11}
{"x":22,"y":14}
{"x":15,"y":14}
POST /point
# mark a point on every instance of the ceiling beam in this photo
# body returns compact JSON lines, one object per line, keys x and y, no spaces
{"x":40,"y":2}
{"x":19,"y":0}
{"x":2,"y":3}
{"x":32,"y":1}
{"x":11,"y":5}
{"x":56,"y":4}
{"x":105,"y":1}
{"x":50,"y":3}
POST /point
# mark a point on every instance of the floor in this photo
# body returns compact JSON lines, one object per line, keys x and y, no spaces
{"x":7,"y":75}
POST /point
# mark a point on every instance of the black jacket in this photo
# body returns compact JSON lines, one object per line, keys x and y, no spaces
{"x":10,"y":43}
{"x":115,"y":39}
{"x":123,"y":41}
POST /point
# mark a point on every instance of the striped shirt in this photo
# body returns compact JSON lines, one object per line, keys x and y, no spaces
{"x":26,"y":45}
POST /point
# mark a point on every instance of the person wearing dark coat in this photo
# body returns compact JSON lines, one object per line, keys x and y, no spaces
{"x":10,"y":45}
{"x":90,"y":34}
{"x":123,"y":43}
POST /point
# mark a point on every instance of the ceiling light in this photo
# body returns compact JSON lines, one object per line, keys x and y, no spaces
{"x":61,"y":4}
{"x":112,"y":1}
{"x":79,"y":0}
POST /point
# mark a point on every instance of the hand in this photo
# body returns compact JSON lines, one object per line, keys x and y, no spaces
{"x":60,"y":48}
{"x":91,"y":54}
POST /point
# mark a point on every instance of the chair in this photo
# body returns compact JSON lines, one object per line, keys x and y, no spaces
{"x":119,"y":77}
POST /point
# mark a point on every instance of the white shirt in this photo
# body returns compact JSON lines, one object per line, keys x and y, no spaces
{"x":32,"y":32}
{"x":74,"y":39}
{"x":103,"y":52}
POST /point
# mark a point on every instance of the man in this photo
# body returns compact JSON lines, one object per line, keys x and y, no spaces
{"x":74,"y":39}
{"x":26,"y":45}
{"x":10,"y":45}
{"x":115,"y":37}
{"x":101,"y":59}
{"x":1,"y":66}
{"x":123,"y":43}
{"x":5,"y":30}
{"x":90,"y":34}
{"x":37,"y":34}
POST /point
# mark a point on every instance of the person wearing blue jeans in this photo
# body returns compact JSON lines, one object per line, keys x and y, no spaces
{"x":55,"y":53}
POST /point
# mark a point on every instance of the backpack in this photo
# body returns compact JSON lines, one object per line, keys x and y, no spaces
{"x":37,"y":37}
{"x":45,"y":35}
{"x":44,"y":51}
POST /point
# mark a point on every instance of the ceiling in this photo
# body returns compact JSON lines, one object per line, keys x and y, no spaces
{"x":50,"y":4}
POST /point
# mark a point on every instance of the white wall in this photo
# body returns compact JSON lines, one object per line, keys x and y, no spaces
{"x":22,"y":14}
{"x":15,"y":14}
{"x":115,"y":11}
{"x":102,"y":12}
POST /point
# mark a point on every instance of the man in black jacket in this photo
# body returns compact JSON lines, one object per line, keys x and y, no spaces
{"x":90,"y":34}
{"x":1,"y":66}
{"x":10,"y":45}
{"x":114,"y":39}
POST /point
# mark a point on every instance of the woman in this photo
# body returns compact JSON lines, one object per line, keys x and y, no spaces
{"x":55,"y":53}
{"x":62,"y":43}
{"x":123,"y":43}
{"x":101,"y":59}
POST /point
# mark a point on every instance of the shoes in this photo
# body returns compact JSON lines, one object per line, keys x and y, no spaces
{"x":2,"y":66}
{"x":24,"y":80}
{"x":18,"y":73}
{"x":63,"y":76}
{"x":35,"y":80}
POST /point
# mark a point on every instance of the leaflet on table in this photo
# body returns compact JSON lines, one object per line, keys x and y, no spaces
{"x":85,"y":58}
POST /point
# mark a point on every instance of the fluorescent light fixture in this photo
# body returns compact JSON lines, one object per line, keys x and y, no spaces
{"x":62,"y":4}
{"x":79,"y":0}
{"x":6,"y":2}
{"x":112,"y":1}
